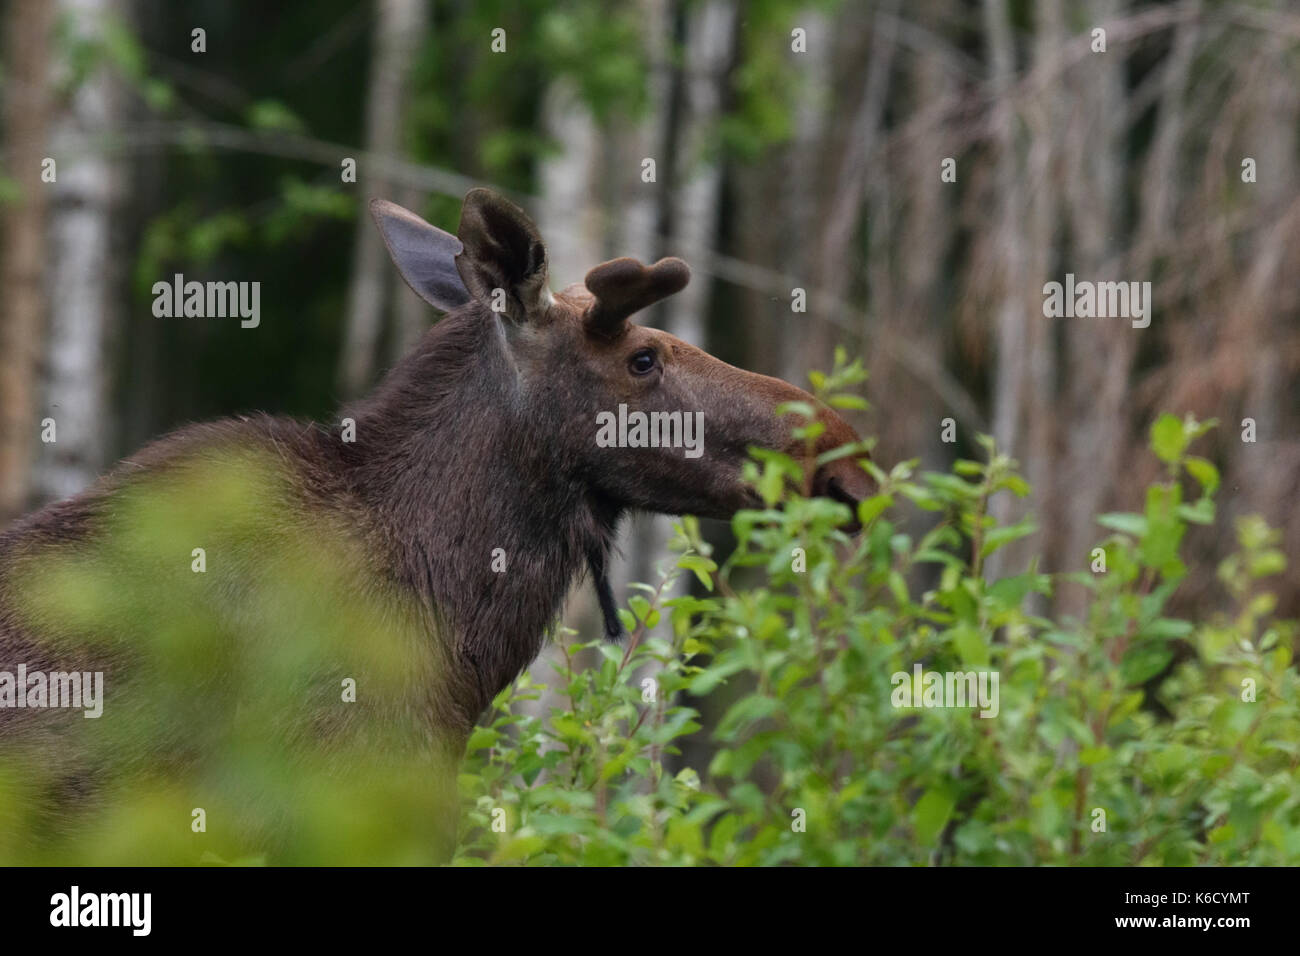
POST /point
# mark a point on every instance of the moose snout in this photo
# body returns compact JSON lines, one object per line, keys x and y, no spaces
{"x":843,"y":480}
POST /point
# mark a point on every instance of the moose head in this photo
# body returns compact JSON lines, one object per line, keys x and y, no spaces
{"x":577,"y":361}
{"x":571,"y":371}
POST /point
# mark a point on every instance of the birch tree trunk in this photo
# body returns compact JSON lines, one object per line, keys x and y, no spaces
{"x":805,"y":167}
{"x":570,"y":216}
{"x":81,"y":287}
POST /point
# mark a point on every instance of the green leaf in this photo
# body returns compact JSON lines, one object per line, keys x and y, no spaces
{"x":1016,"y":485}
{"x":971,"y":646}
{"x":1267,"y":562}
{"x":998,"y":537}
{"x":796,"y":408}
{"x":869,"y":509}
{"x":898,"y":588}
{"x":1144,"y":661}
{"x":1204,"y":472}
{"x":931,"y":814}
{"x":1011,"y":592}
{"x":702,"y":567}
{"x":1124,"y":522}
{"x":1093,"y":755}
{"x":1168,"y":628}
{"x":481,"y":738}
{"x":771,"y":484}
{"x":922,"y":499}
{"x":1202,"y":512}
{"x":809,"y":433}
{"x":1168,"y":438}
{"x":1164,"y":534}
{"x":639,"y":606}
{"x":273,"y":115}
{"x":723,"y":834}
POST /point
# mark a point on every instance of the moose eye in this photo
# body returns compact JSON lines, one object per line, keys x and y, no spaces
{"x":642,"y":362}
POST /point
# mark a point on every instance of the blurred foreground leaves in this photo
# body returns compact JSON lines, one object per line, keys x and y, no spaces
{"x":225,"y":689}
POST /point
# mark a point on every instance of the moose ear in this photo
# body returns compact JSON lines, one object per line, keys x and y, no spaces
{"x":504,"y":262}
{"x":423,"y":254}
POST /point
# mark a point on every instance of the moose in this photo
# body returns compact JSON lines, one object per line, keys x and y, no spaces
{"x":468,"y":488}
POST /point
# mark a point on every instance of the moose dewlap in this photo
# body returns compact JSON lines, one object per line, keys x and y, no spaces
{"x":297,"y":628}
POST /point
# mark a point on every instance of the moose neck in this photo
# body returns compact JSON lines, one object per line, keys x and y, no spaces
{"x":487,"y":524}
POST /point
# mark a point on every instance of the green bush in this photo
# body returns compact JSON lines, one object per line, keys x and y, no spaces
{"x":1128,"y":737}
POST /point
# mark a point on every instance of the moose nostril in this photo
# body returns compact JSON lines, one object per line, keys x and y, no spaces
{"x":834,"y":489}
{"x":843,"y":481}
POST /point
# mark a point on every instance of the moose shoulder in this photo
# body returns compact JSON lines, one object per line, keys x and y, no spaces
{"x":457,"y":505}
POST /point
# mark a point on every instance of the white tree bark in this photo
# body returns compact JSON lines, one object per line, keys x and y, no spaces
{"x":570,"y":216}
{"x":639,"y":211}
{"x":81,"y":294}
{"x":804,"y":183}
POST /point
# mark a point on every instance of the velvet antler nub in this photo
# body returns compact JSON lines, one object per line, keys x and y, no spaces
{"x":624,"y":286}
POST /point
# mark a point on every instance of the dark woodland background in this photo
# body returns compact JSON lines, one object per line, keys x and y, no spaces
{"x":775,"y":170}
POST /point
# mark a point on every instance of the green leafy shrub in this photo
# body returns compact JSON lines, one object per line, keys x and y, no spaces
{"x":1126,"y":737}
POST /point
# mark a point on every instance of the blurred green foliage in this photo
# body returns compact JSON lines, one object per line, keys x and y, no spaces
{"x":226,"y":689}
